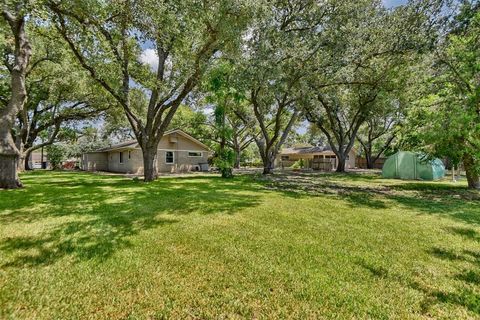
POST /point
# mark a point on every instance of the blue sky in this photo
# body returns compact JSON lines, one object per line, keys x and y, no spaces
{"x":393,"y":3}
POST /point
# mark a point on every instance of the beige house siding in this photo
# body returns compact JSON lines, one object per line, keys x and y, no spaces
{"x":174,"y":142}
{"x":94,"y":161}
{"x":182,"y":162}
{"x":130,"y":164}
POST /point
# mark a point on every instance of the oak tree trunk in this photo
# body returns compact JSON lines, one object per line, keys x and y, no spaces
{"x":237,"y":158}
{"x":370,"y":161}
{"x":26,"y":165}
{"x":9,"y":152}
{"x":8,"y":172}
{"x":471,"y":170}
{"x":27,"y":162}
{"x":268,"y":163}
{"x":150,"y":171}
{"x":341,"y":163}
{"x":21,"y":158}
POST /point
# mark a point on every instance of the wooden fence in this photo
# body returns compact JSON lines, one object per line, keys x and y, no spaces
{"x":361,"y":163}
{"x":324,"y":164}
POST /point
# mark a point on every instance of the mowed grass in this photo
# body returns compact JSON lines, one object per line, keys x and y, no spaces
{"x":79,"y":245}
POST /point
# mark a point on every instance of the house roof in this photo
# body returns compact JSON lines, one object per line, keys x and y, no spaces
{"x":308,"y":150}
{"x":133,"y":144}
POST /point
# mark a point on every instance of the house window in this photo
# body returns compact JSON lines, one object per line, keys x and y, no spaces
{"x":285,"y":158}
{"x":317,"y":156}
{"x":169,"y":157}
{"x":121,"y":157}
{"x":129,"y":154}
{"x":194,"y":154}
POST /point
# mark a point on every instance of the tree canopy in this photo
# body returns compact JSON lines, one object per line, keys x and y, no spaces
{"x":241,"y":73}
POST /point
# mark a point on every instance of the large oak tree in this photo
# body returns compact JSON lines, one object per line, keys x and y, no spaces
{"x":276,"y":60}
{"x":15,"y":18}
{"x":366,"y":46}
{"x":445,"y":120}
{"x":108,"y":37}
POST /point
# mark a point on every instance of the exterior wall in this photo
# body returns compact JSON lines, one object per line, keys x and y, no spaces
{"x":180,"y":146}
{"x":175,"y":142}
{"x":35,"y":160}
{"x":181,"y":161}
{"x":94,"y":161}
{"x":131,"y":164}
{"x":350,"y":164}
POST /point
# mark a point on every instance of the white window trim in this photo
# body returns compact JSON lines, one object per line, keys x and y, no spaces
{"x":120,"y":158}
{"x":173,"y":153}
{"x":201,"y":154}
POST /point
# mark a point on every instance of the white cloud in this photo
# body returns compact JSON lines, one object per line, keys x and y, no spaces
{"x":149,"y":56}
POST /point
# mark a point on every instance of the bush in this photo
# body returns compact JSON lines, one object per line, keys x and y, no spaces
{"x":224,"y":161}
{"x":55,"y":155}
{"x":298,"y":164}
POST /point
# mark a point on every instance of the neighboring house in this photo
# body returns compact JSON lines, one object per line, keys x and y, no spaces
{"x":38,"y":160}
{"x":320,"y":157}
{"x":177,"y":152}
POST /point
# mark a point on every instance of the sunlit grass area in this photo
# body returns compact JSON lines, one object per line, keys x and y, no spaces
{"x":296,"y":245}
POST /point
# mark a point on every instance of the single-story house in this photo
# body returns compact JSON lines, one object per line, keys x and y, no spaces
{"x":315,"y":157}
{"x":38,"y":160}
{"x":177,"y":152}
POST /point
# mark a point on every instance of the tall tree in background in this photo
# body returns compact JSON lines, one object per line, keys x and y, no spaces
{"x":365,"y":46}
{"x":241,"y":137}
{"x":445,"y":121}
{"x":107,"y":39}
{"x":379,"y":131}
{"x":17,"y":64}
{"x":228,"y":131}
{"x":224,"y":99}
{"x":58,"y":94}
{"x":276,"y":59}
{"x":191,"y":120}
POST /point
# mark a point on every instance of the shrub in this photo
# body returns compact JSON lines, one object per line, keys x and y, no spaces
{"x":298,"y":164}
{"x":55,"y":155}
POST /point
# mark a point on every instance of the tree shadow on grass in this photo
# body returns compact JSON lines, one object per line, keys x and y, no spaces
{"x":316,"y":184}
{"x":99,"y":213}
{"x":465,"y":295}
{"x":454,"y":207}
{"x":438,"y":198}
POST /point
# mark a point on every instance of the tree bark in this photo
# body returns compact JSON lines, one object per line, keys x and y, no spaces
{"x":370,"y":162}
{"x":8,"y":172}
{"x":341,"y":163}
{"x":9,"y":152}
{"x":21,"y":162}
{"x":238,"y":154}
{"x":268,"y":163}
{"x":150,"y":171}
{"x":27,"y":158}
{"x":21,"y":155}
{"x":471,"y":170}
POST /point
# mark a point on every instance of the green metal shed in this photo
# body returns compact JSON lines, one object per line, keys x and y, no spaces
{"x":412,"y":166}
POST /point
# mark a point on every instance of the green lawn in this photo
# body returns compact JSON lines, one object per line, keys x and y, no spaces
{"x":78,"y":245}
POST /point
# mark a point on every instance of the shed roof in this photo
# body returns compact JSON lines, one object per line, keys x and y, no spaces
{"x":134,"y":144}
{"x":308,"y":150}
